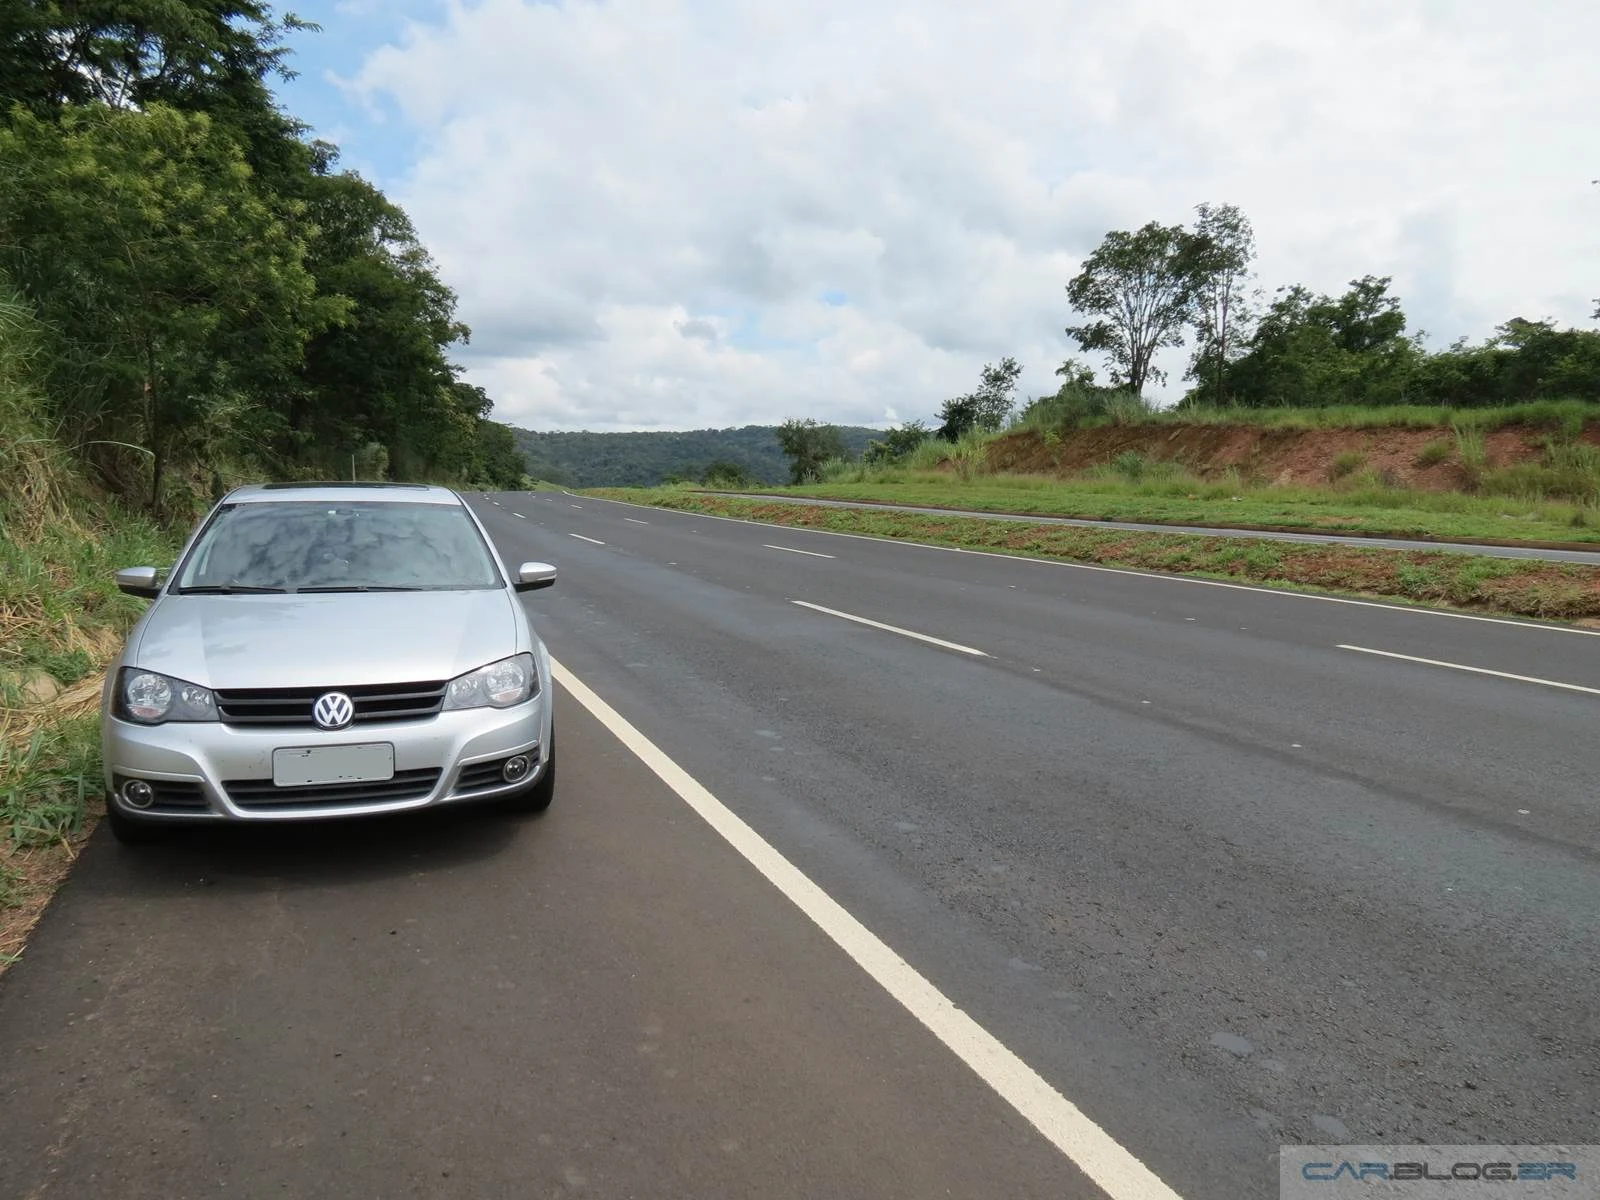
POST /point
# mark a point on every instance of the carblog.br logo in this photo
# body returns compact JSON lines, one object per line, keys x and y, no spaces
{"x":1464,"y":1172}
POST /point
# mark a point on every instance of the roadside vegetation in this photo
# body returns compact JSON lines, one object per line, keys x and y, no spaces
{"x":1513,"y":587}
{"x":192,"y":294}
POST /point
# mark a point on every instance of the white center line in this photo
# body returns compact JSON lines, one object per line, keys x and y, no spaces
{"x":519,"y":515}
{"x":1118,"y":1172}
{"x":636,"y":520}
{"x":1434,"y":662}
{"x":574,"y":506}
{"x":921,"y":637}
{"x":581,"y":538}
{"x":792,"y":550}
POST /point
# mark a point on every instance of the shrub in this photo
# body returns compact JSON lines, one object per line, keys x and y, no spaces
{"x":1433,"y":453}
{"x":1344,"y":463}
{"x":1130,"y":465}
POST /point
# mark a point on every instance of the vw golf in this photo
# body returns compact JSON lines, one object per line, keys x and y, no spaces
{"x":328,"y":650}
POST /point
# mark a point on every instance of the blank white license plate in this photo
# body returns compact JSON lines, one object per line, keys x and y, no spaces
{"x":371,"y":762}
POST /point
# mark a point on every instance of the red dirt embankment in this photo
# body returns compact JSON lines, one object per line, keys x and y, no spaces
{"x":1280,"y":457}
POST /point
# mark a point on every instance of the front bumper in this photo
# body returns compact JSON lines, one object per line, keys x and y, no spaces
{"x":210,"y":771}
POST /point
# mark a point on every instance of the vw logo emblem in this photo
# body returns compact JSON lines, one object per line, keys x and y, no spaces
{"x":333,"y":710}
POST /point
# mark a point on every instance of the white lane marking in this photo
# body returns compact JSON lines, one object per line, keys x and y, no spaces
{"x":1120,"y":1174}
{"x":574,"y":506}
{"x":1434,"y":662}
{"x":581,"y":538}
{"x":792,"y":550}
{"x":921,"y":637}
{"x":636,"y":520}
{"x":519,"y":516}
{"x":1056,"y":562}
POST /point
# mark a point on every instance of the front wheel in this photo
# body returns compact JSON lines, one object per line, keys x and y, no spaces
{"x":537,"y":797}
{"x":131,"y":831}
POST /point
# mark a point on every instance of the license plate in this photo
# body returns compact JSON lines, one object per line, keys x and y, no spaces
{"x":303,"y":766}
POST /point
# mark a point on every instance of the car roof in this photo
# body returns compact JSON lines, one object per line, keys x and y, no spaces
{"x":366,"y":493}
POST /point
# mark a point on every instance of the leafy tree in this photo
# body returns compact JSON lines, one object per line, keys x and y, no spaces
{"x":808,"y":445}
{"x":956,"y":417}
{"x":381,"y":372}
{"x":896,"y":444}
{"x":1140,"y":287}
{"x":725,"y":474}
{"x":1223,"y":247}
{"x":987,"y":408}
{"x":176,"y":290}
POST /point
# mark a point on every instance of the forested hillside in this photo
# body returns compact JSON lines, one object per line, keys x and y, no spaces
{"x":209,"y":295}
{"x":645,"y":459}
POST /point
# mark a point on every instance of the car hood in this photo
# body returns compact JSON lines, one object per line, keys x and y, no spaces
{"x":325,"y":640}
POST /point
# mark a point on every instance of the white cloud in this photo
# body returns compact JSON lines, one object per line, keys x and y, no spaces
{"x":676,"y":214}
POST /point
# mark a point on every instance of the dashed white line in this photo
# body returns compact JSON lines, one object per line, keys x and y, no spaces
{"x":581,"y":538}
{"x":519,"y":516}
{"x":910,"y":633}
{"x":1117,"y":1171}
{"x":574,"y":506}
{"x":635,"y":521}
{"x":1434,"y":662}
{"x":792,"y":550}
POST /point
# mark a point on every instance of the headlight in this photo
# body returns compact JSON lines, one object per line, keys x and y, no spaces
{"x":151,"y":699}
{"x":499,"y":685}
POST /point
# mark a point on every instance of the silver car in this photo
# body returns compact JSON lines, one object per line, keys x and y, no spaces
{"x":328,"y":650}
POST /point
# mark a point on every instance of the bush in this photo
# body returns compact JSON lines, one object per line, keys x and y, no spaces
{"x":1344,"y":463}
{"x":1130,"y":465}
{"x":1434,"y":453}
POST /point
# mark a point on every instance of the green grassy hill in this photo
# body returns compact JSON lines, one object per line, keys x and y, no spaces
{"x":586,"y":459}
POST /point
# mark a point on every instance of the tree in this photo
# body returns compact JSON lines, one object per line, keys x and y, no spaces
{"x":175,"y":289}
{"x":896,"y":444}
{"x":1140,"y":286}
{"x":987,"y":408}
{"x":1222,"y":250}
{"x":808,"y":445}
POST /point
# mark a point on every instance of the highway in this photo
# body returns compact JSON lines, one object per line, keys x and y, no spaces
{"x":875,"y":870}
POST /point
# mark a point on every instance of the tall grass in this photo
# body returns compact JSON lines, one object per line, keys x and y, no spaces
{"x":1566,"y":416}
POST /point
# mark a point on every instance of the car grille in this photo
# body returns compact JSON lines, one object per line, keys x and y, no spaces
{"x":263,"y":793}
{"x":292,"y":706}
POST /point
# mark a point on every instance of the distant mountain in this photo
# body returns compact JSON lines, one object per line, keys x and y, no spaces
{"x":645,"y":459}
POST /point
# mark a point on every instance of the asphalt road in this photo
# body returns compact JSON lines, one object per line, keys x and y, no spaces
{"x":1212,"y":865}
{"x":1591,"y":557}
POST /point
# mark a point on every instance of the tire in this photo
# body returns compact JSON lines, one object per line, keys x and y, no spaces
{"x":131,"y":831}
{"x":536,"y":798}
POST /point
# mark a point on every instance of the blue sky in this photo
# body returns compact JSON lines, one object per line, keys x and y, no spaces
{"x":681,"y":213}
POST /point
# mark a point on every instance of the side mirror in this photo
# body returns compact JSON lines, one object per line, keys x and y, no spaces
{"x":140,"y":581}
{"x":531,"y":576}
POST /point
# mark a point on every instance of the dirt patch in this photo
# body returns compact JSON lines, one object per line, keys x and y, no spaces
{"x":1282,"y":457}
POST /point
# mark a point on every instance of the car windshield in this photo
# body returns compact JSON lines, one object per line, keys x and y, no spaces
{"x":338,"y":546}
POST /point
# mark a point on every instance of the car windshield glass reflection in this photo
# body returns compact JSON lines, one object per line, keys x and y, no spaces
{"x":301,"y":546}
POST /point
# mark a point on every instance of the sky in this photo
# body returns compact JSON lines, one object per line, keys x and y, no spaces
{"x":679,"y":214}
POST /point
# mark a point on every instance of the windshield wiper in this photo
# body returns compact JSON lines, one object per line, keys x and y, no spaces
{"x":230,"y":589}
{"x":360,"y":587}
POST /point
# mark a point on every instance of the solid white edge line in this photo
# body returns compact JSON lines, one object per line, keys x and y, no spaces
{"x":1434,"y":662}
{"x":1057,"y":562}
{"x":790,"y":549}
{"x":1120,"y":1174}
{"x":581,"y":538}
{"x":921,"y":637}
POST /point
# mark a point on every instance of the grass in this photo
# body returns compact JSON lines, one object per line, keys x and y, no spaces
{"x":1163,"y":493}
{"x":61,"y":619}
{"x":1515,"y":587}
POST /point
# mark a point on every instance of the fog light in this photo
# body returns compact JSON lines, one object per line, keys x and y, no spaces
{"x":516,"y":768}
{"x":136,"y":793}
